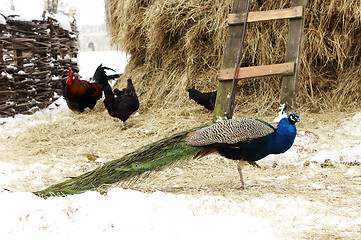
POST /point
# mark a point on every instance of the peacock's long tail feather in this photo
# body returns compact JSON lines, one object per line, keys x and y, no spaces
{"x":147,"y":158}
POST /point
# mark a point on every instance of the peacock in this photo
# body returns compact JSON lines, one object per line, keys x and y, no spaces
{"x":242,"y":139}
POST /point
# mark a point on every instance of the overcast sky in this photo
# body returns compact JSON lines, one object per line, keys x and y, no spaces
{"x":88,"y":11}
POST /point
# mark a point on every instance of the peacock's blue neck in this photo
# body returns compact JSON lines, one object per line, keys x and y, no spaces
{"x":283,"y":138}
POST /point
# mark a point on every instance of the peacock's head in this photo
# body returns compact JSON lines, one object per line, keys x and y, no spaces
{"x":293,"y":118}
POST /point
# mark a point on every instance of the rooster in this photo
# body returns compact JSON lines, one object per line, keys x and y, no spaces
{"x":207,"y":99}
{"x":124,"y":104}
{"x":81,"y":94}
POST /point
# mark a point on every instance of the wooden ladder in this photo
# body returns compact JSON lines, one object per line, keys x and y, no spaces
{"x":289,"y":70}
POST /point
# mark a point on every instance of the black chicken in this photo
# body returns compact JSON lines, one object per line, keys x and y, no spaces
{"x":207,"y":99}
{"x":124,"y":104}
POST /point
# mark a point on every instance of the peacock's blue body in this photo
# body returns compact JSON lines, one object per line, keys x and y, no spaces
{"x":276,"y":142}
{"x":246,"y":139}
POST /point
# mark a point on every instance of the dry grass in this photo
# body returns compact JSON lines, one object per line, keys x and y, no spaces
{"x":66,"y":141}
{"x":54,"y":150}
{"x":179,"y":44}
{"x":62,"y":145}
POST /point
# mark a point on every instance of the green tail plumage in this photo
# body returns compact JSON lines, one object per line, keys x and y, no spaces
{"x":245,"y":139}
{"x":150,"y":157}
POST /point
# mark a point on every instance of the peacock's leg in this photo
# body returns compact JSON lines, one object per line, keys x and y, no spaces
{"x":240,"y":165}
{"x":125,"y":126}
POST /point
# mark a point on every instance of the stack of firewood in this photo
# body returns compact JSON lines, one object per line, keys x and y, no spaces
{"x":34,"y":60}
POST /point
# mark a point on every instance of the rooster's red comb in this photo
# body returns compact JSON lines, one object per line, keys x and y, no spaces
{"x":70,"y":73}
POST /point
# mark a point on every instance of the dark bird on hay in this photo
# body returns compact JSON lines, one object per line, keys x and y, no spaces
{"x":81,"y":94}
{"x":241,"y":139}
{"x":124,"y":104}
{"x":206,"y":99}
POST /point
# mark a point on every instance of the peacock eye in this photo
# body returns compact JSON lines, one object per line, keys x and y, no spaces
{"x":135,"y":166}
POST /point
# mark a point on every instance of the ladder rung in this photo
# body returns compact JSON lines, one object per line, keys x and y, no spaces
{"x":258,"y":71}
{"x":289,"y":13}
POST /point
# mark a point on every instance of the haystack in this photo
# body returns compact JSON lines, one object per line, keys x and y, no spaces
{"x":177,"y":44}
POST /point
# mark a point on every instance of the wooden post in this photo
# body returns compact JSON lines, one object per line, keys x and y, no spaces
{"x":1,"y":53}
{"x":18,"y":57}
{"x":233,"y":41}
{"x":293,"y":53}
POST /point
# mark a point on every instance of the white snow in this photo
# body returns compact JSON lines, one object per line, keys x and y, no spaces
{"x":281,"y":114}
{"x":88,"y":13}
{"x":2,"y":20}
{"x":27,"y":10}
{"x":63,"y":20}
{"x":10,"y":126}
{"x":113,"y":59}
{"x":130,"y":214}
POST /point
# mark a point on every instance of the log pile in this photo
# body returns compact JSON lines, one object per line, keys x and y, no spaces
{"x":34,"y":60}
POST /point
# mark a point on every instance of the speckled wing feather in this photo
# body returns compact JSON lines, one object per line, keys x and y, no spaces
{"x":230,"y":132}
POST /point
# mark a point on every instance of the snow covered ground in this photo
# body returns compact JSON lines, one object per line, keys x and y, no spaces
{"x":132,"y":214}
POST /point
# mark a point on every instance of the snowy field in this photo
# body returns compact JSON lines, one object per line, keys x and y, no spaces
{"x":312,"y":191}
